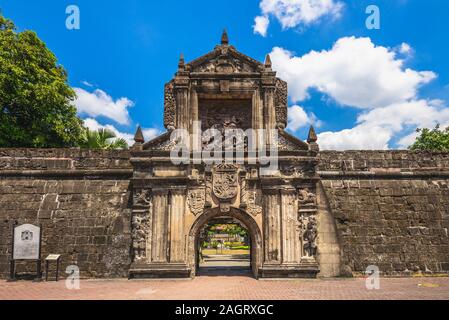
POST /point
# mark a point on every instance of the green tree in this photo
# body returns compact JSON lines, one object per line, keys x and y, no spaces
{"x":36,"y":103}
{"x":102,"y":139}
{"x":432,"y":140}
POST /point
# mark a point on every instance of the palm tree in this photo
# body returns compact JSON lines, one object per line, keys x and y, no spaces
{"x":103,"y":139}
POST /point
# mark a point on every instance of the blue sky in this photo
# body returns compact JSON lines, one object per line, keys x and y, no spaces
{"x":362,"y":89}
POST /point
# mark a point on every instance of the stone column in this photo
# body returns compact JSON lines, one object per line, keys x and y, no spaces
{"x":269,"y":111}
{"x":272,"y":227}
{"x":289,"y":212}
{"x":177,"y":212}
{"x":182,"y":102}
{"x":159,"y":243}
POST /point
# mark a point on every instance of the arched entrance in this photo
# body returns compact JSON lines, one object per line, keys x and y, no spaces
{"x":238,"y":214}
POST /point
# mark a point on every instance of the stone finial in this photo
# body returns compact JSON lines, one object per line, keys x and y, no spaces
{"x":181,"y":63}
{"x":312,"y":135}
{"x":138,"y":138}
{"x":224,"y":38}
{"x":268,"y":62}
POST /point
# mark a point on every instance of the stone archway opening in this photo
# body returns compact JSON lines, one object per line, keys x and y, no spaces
{"x":224,"y":245}
{"x":221,"y":261}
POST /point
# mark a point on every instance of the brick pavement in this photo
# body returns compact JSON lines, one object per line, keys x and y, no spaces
{"x":230,"y":288}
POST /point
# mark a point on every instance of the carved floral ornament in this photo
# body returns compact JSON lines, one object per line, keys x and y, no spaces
{"x":306,"y":198}
{"x":142,"y":198}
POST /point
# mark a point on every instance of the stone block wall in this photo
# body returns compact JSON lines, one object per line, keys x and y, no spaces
{"x":81,"y":199}
{"x":391,"y":209}
{"x":384,"y":208}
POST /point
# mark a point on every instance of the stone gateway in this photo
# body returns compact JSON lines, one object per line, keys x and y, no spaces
{"x":225,"y":89}
{"x":137,"y":214}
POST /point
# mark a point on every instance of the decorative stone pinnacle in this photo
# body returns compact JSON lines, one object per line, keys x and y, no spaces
{"x":268,"y":61}
{"x":312,"y":135}
{"x":181,"y":64}
{"x":138,"y":138}
{"x":224,"y":38}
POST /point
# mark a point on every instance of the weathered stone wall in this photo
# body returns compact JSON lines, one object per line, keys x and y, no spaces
{"x":81,"y":200}
{"x":391,"y":209}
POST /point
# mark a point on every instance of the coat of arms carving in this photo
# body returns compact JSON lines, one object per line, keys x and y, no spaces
{"x":225,"y":182}
{"x":196,"y":200}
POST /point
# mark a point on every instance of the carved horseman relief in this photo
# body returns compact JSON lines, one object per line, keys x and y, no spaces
{"x":143,"y":208}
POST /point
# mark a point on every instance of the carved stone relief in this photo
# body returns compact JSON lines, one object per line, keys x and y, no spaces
{"x":222,"y":115}
{"x":309,"y":236}
{"x":143,"y":210}
{"x":306,"y":198}
{"x":307,"y":201}
{"x":196,"y":199}
{"x":142,"y":198}
{"x":251,"y":198}
{"x":281,"y":102}
{"x":291,"y":170}
{"x":169,"y":106}
{"x":224,"y":63}
{"x":208,"y":181}
{"x":225,"y":182}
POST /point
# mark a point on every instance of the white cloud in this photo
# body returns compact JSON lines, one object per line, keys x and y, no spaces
{"x":359,"y":138}
{"x":359,"y":74}
{"x":298,"y":118}
{"x":261,"y":24}
{"x":99,"y":103}
{"x":87,"y":84}
{"x":405,"y":48}
{"x":376,"y":128}
{"x":150,"y":134}
{"x":293,"y":13}
{"x":354,"y":72}
{"x":93,"y":125}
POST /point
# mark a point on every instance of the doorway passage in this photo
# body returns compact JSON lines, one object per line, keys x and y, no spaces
{"x":224,"y":248}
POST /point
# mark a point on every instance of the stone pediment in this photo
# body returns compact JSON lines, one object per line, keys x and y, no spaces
{"x":286,"y":142}
{"x":225,"y":59}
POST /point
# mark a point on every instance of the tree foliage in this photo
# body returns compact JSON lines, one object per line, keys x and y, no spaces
{"x":432,"y":140}
{"x":231,"y":229}
{"x":102,"y":139}
{"x":36,"y":103}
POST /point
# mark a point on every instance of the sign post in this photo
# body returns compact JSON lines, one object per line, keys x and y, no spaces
{"x":52,"y":258}
{"x":26,"y":246}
